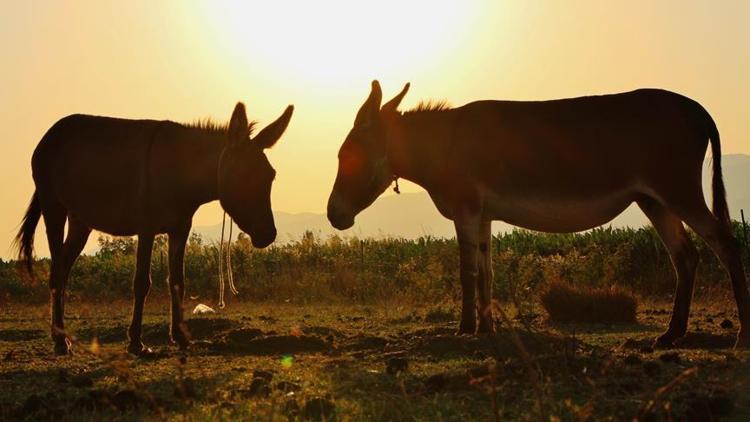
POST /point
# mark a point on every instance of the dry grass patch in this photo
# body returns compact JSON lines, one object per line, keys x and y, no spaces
{"x":566,"y":303}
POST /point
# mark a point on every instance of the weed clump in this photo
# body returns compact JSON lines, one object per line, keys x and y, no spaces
{"x":440,"y":314}
{"x":565,"y":303}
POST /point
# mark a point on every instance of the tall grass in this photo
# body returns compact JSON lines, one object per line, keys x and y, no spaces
{"x":334,"y":269}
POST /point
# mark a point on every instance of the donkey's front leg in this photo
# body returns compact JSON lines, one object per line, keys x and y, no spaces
{"x":177,"y":330}
{"x":467,"y":228}
{"x":141,"y":286}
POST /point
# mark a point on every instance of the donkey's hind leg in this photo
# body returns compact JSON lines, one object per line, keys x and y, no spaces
{"x":63,"y":255}
{"x":684,"y":258}
{"x":726,"y":248}
{"x":141,"y":286}
{"x":78,"y":234}
{"x":54,"y":221}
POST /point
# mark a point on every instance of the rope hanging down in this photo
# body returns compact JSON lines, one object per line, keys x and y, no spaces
{"x":230,"y":273}
{"x":221,"y":264}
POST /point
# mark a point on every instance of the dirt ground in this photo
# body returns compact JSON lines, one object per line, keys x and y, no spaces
{"x":385,"y":362}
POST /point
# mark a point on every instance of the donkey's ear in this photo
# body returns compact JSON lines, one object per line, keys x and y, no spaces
{"x":369,"y":110}
{"x":270,"y":134}
{"x":238,"y":127}
{"x":392,"y":105}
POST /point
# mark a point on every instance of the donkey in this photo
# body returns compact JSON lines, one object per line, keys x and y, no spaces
{"x":554,"y":166}
{"x":144,"y":177}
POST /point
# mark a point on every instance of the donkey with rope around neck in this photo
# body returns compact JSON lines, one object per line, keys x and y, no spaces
{"x":554,"y":166}
{"x":144,"y":177}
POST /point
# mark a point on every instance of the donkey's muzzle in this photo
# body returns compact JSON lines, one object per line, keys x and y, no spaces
{"x":339,"y":214}
{"x":340,"y":222}
{"x":261,"y":235}
{"x":260,"y":241}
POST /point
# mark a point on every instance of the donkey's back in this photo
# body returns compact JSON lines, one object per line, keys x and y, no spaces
{"x":593,"y":124}
{"x":78,"y":137}
{"x":88,"y":163}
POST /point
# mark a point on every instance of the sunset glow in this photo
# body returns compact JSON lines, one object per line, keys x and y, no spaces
{"x":188,"y":60}
{"x":335,"y":42}
{"x":374,"y":210}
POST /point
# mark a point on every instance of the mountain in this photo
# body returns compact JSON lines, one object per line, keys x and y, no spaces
{"x":408,"y":215}
{"x":412,"y":215}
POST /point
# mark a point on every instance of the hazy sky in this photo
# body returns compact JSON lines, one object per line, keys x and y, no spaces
{"x":183,"y":60}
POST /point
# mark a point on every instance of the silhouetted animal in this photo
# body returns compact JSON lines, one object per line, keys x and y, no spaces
{"x":555,"y":166}
{"x":144,"y":177}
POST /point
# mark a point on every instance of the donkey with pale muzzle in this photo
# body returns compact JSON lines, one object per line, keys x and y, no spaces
{"x":554,"y":166}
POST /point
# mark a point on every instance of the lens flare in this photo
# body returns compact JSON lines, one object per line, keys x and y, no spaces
{"x":287,"y":361}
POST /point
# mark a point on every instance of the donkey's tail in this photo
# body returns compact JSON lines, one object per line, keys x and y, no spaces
{"x":719,"y":206}
{"x":25,"y":238}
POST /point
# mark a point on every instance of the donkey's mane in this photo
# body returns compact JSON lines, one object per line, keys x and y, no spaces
{"x":430,"y":105}
{"x":210,"y":125}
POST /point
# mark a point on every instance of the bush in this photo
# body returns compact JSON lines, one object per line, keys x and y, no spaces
{"x":565,"y":303}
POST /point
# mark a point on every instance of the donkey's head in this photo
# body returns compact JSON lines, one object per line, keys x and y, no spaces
{"x":245,"y":175}
{"x":364,"y":172}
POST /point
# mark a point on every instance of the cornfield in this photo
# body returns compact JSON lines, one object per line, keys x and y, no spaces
{"x":337,"y":269}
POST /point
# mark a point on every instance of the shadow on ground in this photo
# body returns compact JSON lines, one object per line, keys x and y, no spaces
{"x":409,"y":369}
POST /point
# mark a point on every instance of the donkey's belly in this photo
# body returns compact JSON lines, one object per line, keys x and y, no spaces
{"x":556,"y":213}
{"x":120,"y":222}
{"x":127,"y":219}
{"x":103,"y":204}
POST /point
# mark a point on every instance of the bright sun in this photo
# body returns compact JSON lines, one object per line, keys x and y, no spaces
{"x":340,"y":40}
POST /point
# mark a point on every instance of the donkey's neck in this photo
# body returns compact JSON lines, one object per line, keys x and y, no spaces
{"x":418,"y":143}
{"x":207,"y":147}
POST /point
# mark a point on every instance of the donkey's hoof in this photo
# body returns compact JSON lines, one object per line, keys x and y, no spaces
{"x":63,"y":348}
{"x":466,"y":328}
{"x":140,"y":350}
{"x":664,"y":341}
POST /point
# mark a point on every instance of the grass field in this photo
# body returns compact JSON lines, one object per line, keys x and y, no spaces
{"x":385,"y":362}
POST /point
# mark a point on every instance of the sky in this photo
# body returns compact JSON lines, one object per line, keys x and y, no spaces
{"x":185,"y":60}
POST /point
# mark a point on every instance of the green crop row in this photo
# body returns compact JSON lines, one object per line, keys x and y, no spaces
{"x":314,"y":269}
